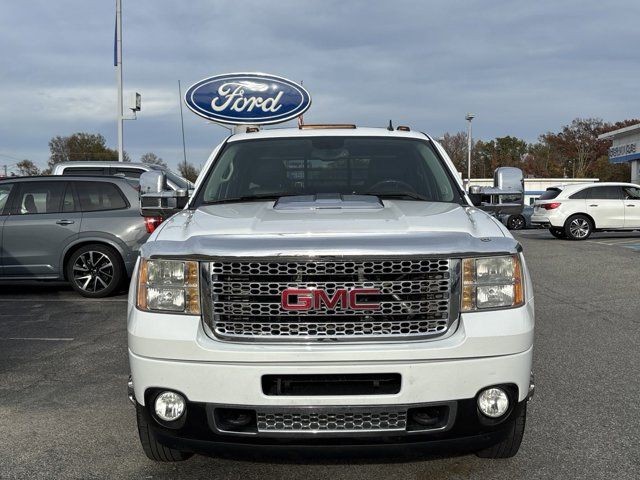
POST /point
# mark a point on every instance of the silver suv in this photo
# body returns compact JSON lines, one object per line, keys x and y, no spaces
{"x":129,"y":171}
{"x":85,"y":230}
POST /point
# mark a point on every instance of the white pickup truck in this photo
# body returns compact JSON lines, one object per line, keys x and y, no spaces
{"x":329,"y":286}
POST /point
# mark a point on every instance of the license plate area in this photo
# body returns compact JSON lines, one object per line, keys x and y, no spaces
{"x":332,"y":384}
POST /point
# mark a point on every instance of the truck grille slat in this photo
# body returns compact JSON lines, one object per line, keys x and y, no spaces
{"x":350,"y":421}
{"x":412,"y":298}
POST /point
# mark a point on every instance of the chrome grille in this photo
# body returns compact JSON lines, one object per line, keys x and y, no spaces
{"x":328,"y":421}
{"x":414,"y":297}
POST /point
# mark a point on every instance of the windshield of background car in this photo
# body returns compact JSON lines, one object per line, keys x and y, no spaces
{"x":339,"y":165}
{"x":178,"y":180}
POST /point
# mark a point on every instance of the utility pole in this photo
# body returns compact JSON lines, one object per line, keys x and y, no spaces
{"x":184,"y":147}
{"x":118,"y":64}
{"x":468,"y":118}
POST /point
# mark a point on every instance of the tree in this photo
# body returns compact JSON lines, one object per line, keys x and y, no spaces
{"x":81,"y":146}
{"x":456,"y":146}
{"x":151,"y":158}
{"x":188,"y":171}
{"x":26,"y":168}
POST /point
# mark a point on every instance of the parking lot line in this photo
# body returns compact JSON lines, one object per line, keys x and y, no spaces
{"x":40,"y":339}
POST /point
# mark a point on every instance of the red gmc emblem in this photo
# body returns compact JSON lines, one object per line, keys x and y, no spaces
{"x":307,"y":299}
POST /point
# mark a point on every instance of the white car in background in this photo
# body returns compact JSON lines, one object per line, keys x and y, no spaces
{"x":576,"y":211}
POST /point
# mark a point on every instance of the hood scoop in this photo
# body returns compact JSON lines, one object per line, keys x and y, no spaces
{"x":328,"y":201}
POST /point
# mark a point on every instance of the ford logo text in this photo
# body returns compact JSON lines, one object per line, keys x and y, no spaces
{"x":247,"y":99}
{"x":342,"y":299}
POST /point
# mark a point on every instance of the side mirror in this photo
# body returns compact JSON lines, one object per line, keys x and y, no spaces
{"x":505,"y":197}
{"x":156,"y":199}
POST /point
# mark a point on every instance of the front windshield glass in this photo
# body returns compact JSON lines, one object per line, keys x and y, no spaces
{"x":269,"y":168}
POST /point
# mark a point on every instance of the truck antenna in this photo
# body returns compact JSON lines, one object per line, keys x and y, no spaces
{"x":390,"y":127}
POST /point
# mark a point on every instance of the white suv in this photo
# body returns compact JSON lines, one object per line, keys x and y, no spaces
{"x":575,"y":211}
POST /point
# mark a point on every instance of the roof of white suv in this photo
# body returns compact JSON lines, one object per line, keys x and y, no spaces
{"x":326,"y":131}
{"x":568,"y":189}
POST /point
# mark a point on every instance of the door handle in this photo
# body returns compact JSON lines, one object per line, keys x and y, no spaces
{"x":630,"y":205}
{"x":595,"y":205}
{"x":65,"y":222}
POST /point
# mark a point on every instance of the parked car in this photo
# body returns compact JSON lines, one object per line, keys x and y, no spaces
{"x":129,"y":171}
{"x":519,"y":221}
{"x":576,"y":211}
{"x":87,"y":231}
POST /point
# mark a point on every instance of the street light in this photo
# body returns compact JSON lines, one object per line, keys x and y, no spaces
{"x":468,"y":118}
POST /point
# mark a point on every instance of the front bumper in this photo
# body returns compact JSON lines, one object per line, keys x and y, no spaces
{"x":241,"y":383}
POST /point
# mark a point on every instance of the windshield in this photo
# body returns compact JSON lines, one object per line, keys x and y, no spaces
{"x":270,"y":168}
{"x":176,"y":179}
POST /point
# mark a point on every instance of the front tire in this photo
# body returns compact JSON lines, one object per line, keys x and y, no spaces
{"x":578,"y":227}
{"x":558,"y":233}
{"x":510,"y":445}
{"x":152,"y":449}
{"x":95,"y":271}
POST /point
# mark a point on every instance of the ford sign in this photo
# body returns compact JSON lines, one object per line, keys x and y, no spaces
{"x":247,"y":99}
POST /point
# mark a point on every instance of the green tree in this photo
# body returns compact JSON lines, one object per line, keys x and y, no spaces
{"x":26,"y":168}
{"x":151,"y":158}
{"x":81,"y":146}
{"x":188,"y":171}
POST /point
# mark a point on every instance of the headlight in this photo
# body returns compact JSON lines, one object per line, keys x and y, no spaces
{"x":491,"y":282}
{"x":169,"y":286}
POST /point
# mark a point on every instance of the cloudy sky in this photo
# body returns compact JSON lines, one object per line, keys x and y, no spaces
{"x":523,"y":67}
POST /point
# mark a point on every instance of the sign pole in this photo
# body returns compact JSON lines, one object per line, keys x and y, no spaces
{"x":118,"y":65}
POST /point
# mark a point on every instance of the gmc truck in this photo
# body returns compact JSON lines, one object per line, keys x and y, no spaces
{"x":328,"y":286}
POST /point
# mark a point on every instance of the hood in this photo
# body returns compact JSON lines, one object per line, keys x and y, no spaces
{"x":434,"y":226}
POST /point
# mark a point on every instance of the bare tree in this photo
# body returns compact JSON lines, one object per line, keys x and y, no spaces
{"x":26,"y":168}
{"x":188,"y":171}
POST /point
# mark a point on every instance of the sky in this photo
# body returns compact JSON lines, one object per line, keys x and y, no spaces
{"x":523,"y":67}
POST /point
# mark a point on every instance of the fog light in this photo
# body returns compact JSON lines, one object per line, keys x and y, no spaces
{"x":169,"y":406}
{"x":493,"y":402}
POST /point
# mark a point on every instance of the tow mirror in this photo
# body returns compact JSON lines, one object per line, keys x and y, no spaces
{"x":156,"y":199}
{"x":505,"y":197}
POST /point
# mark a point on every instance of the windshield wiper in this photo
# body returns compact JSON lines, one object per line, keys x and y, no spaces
{"x":403,"y":195}
{"x":249,"y":198}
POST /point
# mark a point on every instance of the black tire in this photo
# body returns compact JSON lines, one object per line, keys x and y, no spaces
{"x":508,"y":447}
{"x":152,"y":449}
{"x":558,"y":233}
{"x":95,"y":271}
{"x":578,"y":227}
{"x":516,"y":222}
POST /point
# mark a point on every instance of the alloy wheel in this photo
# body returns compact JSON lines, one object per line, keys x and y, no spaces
{"x":579,"y":228}
{"x":93,"y":271}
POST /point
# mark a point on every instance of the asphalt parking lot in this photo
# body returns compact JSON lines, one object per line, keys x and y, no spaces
{"x":63,"y":370}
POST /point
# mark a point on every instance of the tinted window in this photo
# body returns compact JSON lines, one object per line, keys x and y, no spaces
{"x":39,"y":197}
{"x":5,"y":190}
{"x":605,"y":193}
{"x":631,"y":193}
{"x":96,"y":196}
{"x":549,"y":194}
{"x":342,"y":165}
{"x":83,"y":171}
{"x":582,"y":194}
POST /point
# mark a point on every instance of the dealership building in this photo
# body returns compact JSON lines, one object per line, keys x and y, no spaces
{"x":625,"y":148}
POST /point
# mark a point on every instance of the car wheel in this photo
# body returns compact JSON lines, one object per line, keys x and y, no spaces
{"x":578,"y":227}
{"x":516,"y":222}
{"x":152,"y":449}
{"x":95,"y":271}
{"x":558,"y":233}
{"x":510,"y":445}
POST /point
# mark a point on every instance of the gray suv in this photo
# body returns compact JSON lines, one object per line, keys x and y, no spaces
{"x":86,"y":230}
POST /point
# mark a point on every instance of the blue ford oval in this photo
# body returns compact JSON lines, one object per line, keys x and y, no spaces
{"x":247,"y":99}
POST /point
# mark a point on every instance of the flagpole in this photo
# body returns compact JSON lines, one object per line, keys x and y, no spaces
{"x":118,"y":65}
